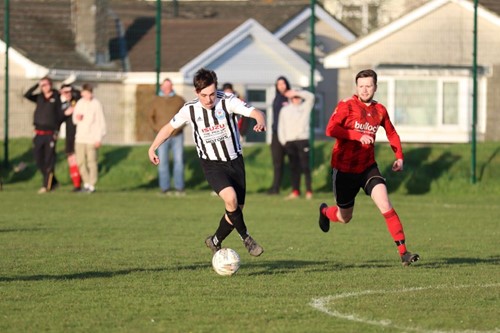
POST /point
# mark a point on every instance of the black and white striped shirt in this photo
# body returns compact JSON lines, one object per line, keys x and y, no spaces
{"x":215,"y":132}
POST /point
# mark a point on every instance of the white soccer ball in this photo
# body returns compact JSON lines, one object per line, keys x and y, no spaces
{"x":226,"y":261}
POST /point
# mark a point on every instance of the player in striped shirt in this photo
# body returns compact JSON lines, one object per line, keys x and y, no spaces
{"x":354,"y":124}
{"x":212,"y":117}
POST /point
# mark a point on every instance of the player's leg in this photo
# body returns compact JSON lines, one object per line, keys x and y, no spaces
{"x":345,"y":189}
{"x":377,"y":189}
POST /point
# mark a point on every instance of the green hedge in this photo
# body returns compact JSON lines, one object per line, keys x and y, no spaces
{"x":438,"y":168}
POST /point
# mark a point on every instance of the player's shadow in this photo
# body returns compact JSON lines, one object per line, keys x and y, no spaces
{"x":464,"y":261}
{"x":419,"y":174}
{"x":288,"y":266}
{"x":79,"y":276}
{"x":21,"y":229}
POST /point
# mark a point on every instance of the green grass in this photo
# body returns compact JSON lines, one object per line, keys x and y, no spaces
{"x":136,"y":262}
{"x":127,"y":259}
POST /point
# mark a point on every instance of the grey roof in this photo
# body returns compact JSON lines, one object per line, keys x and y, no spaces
{"x":42,"y":30}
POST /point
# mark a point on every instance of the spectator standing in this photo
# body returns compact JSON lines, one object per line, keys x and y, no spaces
{"x":69,"y":97}
{"x":215,"y":133}
{"x":293,"y":134}
{"x":354,"y":124}
{"x":277,"y":150}
{"x":162,"y":110}
{"x":47,"y":117}
{"x":88,"y":117}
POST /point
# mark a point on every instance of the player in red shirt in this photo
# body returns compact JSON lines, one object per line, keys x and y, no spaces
{"x":353,"y":124}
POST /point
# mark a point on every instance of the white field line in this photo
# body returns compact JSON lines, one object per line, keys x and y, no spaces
{"x":326,"y":305}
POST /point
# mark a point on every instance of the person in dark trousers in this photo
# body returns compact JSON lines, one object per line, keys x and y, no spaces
{"x":212,"y":117}
{"x":293,"y":134}
{"x":69,"y":97}
{"x":354,"y":124}
{"x":277,"y":149}
{"x":47,"y":118}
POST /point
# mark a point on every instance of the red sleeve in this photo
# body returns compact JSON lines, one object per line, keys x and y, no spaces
{"x":335,"y":127}
{"x":392,"y":136}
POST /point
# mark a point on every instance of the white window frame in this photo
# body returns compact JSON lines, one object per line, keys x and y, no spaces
{"x":440,"y":132}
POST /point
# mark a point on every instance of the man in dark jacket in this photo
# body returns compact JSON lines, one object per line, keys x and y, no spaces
{"x":47,"y":117}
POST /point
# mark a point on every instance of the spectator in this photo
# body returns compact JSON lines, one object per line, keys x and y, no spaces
{"x":277,"y":150}
{"x":88,"y":117}
{"x":162,"y":110}
{"x":47,"y":117}
{"x":293,"y":134}
{"x":69,"y":97}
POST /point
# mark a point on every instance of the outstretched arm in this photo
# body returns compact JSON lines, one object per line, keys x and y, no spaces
{"x":261,"y":120}
{"x":163,"y":135}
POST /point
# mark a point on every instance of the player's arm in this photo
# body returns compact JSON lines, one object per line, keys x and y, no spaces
{"x":163,"y":135}
{"x":395,"y":142}
{"x":260,"y":118}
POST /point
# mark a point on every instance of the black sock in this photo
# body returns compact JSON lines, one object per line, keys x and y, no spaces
{"x":223,"y":231}
{"x":236,"y":219}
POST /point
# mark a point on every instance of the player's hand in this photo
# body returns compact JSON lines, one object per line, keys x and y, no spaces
{"x":397,"y":165}
{"x":259,"y":127}
{"x":153,"y":157}
{"x":367,"y":139}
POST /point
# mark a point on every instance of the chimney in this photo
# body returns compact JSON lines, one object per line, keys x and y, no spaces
{"x":90,"y":27}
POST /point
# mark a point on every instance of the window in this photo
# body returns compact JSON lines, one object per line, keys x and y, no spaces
{"x":450,"y":103}
{"x":422,"y":102}
{"x":257,"y":98}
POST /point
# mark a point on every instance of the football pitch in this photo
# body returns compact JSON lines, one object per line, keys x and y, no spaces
{"x":135,"y":261}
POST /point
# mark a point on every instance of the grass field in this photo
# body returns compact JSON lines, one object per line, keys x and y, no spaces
{"x":127,"y":259}
{"x":136,"y":262}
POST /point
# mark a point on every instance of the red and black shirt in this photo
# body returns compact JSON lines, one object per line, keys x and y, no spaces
{"x":350,"y":120}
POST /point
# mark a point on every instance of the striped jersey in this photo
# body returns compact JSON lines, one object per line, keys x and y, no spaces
{"x":215,"y":131}
{"x":349,"y":121}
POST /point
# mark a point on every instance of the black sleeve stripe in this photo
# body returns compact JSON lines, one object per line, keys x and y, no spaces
{"x":232,"y":126}
{"x":197,"y":140}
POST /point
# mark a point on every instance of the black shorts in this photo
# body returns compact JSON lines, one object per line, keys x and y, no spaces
{"x":346,"y":185}
{"x":226,"y":174}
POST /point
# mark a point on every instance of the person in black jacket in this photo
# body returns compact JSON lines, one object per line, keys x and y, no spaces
{"x":277,"y":150}
{"x":69,"y":97}
{"x":47,"y":118}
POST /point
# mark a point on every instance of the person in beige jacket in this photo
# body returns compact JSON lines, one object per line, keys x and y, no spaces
{"x":293,"y":134}
{"x":88,"y":117}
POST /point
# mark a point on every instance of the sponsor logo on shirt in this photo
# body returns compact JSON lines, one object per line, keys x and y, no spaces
{"x":366,"y":127}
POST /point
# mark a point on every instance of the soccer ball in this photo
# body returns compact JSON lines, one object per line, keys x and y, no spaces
{"x":226,"y":261}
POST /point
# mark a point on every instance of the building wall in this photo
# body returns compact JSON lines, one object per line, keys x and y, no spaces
{"x":442,"y":38}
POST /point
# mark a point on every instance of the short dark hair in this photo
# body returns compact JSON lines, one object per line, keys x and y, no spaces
{"x":87,"y":87}
{"x":367,"y":73}
{"x":203,"y":78}
{"x":227,"y":85}
{"x":66,"y":85}
{"x":46,"y":78}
